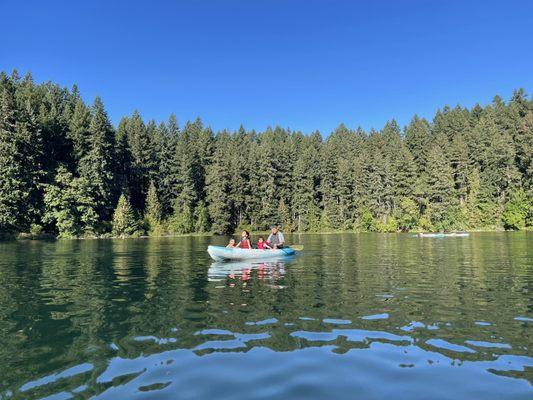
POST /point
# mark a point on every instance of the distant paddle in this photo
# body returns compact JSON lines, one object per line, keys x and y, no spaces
{"x":297,"y":247}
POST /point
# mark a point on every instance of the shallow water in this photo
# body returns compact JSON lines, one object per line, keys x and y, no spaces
{"x":355,"y":316}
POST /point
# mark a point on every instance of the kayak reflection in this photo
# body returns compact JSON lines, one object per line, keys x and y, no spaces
{"x":271,"y":271}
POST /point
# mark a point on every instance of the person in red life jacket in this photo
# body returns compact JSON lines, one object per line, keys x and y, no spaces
{"x":261,"y":244}
{"x":245,"y":241}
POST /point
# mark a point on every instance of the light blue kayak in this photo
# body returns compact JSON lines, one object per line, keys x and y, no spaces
{"x":220,"y":253}
{"x":442,"y":235}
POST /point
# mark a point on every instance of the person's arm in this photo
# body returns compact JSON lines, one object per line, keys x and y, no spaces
{"x":267,"y":246}
{"x":238,"y":244}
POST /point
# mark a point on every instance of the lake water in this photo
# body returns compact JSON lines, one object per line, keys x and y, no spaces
{"x":355,"y":316}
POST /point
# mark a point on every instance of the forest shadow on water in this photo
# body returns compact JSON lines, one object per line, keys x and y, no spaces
{"x":370,"y":316}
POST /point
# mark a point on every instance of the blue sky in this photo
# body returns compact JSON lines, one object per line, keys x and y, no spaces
{"x":300,"y":64}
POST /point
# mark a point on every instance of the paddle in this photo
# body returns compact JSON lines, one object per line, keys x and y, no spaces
{"x":297,"y":247}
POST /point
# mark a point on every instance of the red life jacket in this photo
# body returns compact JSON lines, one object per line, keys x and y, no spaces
{"x":244,"y":244}
{"x":261,"y":245}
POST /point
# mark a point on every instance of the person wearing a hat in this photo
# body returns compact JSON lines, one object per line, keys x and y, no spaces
{"x":276,"y":239}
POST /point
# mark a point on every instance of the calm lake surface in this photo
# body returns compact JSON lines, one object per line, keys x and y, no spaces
{"x":355,"y":316}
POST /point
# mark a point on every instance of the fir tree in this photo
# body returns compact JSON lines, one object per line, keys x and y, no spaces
{"x":13,"y":192}
{"x":124,"y":223}
{"x":517,"y":210}
{"x":304,"y":200}
{"x":166,"y":138}
{"x":182,"y":219}
{"x":153,"y":213}
{"x":440,"y":185}
{"x":201,"y":218}
{"x":69,"y":205}
{"x":79,"y":130}
{"x":142,"y":159}
{"x":97,"y":165}
{"x":218,"y":187}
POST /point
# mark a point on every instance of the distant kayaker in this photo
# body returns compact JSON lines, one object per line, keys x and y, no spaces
{"x":231,"y":244}
{"x":245,"y":241}
{"x":261,"y":244}
{"x":276,"y":239}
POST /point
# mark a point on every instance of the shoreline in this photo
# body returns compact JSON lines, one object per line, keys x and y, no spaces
{"x":50,"y":237}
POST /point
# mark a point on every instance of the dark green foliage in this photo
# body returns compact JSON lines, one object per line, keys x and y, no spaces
{"x":63,"y":167}
{"x":70,"y":206}
{"x":13,"y":188}
{"x":517,"y":210}
{"x":142,"y":158}
{"x":201,"y":218}
{"x":304,"y":196}
{"x":97,"y":165}
{"x":167,"y":169}
{"x":219,"y":178}
{"x":182,"y":219}
{"x":440,"y":185}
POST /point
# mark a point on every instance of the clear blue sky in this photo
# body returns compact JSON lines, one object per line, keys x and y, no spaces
{"x":300,"y":64}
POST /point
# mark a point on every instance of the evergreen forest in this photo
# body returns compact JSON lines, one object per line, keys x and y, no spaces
{"x":66,"y":170}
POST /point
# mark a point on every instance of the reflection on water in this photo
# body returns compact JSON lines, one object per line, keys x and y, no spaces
{"x":355,"y":316}
{"x":245,"y":271}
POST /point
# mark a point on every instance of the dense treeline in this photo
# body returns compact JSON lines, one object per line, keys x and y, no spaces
{"x":66,"y":170}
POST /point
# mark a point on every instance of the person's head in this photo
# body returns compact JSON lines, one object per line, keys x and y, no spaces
{"x":232,"y":241}
{"x":245,"y":234}
{"x":274,"y":229}
{"x":260,"y":240}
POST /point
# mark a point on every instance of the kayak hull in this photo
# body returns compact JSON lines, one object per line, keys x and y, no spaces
{"x":441,"y":235}
{"x":220,"y":253}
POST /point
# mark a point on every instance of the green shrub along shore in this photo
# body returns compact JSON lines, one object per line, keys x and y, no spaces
{"x":66,"y":172}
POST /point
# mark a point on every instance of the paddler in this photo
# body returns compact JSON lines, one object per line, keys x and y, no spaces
{"x":245,"y":241}
{"x":276,"y":239}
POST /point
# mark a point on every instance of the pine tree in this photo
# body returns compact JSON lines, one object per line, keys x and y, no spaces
{"x":417,"y":139}
{"x":201,"y":218}
{"x":123,"y":158}
{"x":218,"y":187}
{"x":517,"y":210}
{"x":97,"y":165}
{"x":524,"y":150}
{"x":182,"y":219}
{"x":153,"y":211}
{"x":168,"y":168}
{"x":440,"y":185}
{"x":185,"y":187}
{"x":79,"y":130}
{"x":124,"y":223}
{"x":304,"y":199}
{"x":13,"y":192}
{"x":460,"y":163}
{"x":69,"y":205}
{"x":242,"y":177}
{"x":142,"y":159}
